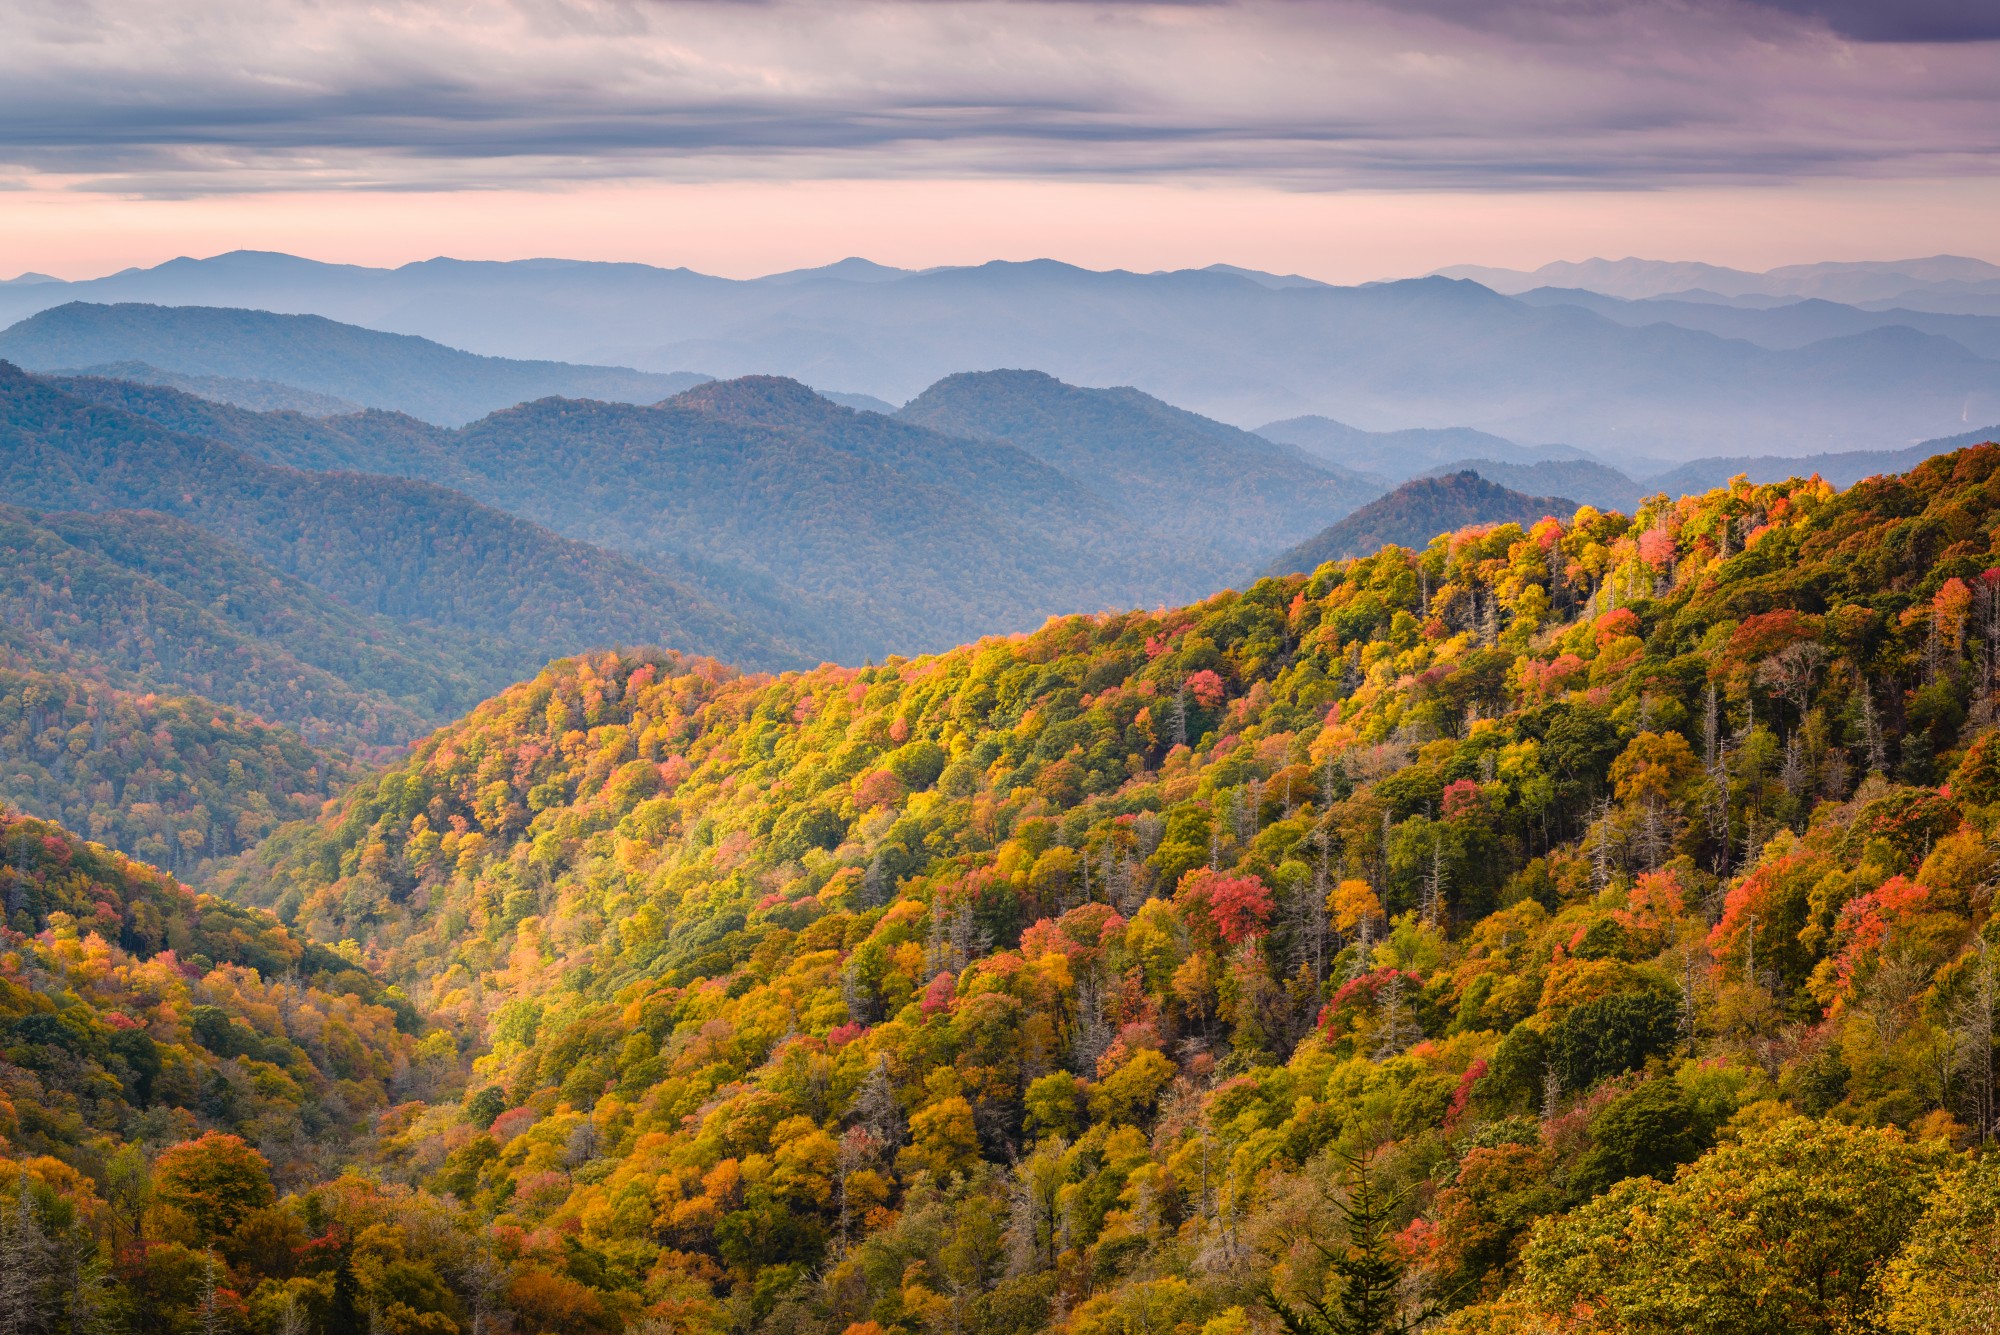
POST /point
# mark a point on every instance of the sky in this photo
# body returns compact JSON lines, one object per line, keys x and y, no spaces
{"x":1342,"y":139}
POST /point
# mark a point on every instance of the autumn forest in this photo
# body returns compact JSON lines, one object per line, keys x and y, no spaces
{"x":1576,"y":921}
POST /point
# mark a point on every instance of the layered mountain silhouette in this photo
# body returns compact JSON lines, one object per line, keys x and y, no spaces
{"x":1433,"y":352}
{"x":1229,"y":491}
{"x":1789,"y":324}
{"x":1397,"y":455}
{"x":311,"y":354}
{"x":994,"y":501}
{"x":1413,"y":514}
{"x":1935,"y":283}
{"x":394,"y":547}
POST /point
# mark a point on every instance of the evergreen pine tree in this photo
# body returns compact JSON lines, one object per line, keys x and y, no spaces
{"x":1363,"y":1293}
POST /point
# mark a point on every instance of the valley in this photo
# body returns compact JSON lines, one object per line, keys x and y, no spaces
{"x":1031,"y":859}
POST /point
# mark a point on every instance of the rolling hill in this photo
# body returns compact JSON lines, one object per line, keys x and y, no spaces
{"x":1413,"y":514}
{"x":892,"y":535}
{"x":1223,"y":491}
{"x":409,"y":551}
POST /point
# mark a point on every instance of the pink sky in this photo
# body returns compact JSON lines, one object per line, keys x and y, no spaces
{"x":742,"y":229}
{"x":1344,"y":139}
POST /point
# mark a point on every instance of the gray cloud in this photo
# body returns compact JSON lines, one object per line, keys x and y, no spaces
{"x":1903,"y":20}
{"x":227,"y":95}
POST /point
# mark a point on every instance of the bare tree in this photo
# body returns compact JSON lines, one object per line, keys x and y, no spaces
{"x":1791,"y":672}
{"x":1871,"y":732}
{"x":1432,"y":908}
{"x":27,"y":1262}
{"x":207,"y":1312}
{"x":876,"y":1108}
{"x":1973,"y":1019}
{"x":1398,"y":1028}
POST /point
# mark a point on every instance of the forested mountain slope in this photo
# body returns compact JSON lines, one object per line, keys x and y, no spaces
{"x":917,"y":538}
{"x":169,"y":1062}
{"x":259,"y":395}
{"x":413,"y":552}
{"x":149,"y":602}
{"x":1585,"y":927}
{"x":849,"y":531}
{"x":393,"y":444}
{"x":1232,"y":493}
{"x":174,"y":779}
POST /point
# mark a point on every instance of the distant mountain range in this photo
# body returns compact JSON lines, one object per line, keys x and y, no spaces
{"x":1397,"y":455}
{"x":1941,"y":283}
{"x":1413,"y":514}
{"x":352,"y":365}
{"x":1232,"y":345}
{"x":1791,"y":324}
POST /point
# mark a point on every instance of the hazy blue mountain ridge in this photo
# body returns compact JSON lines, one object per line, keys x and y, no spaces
{"x":406,"y":549}
{"x":400,"y":372}
{"x":1212,"y":486}
{"x":1233,"y":346}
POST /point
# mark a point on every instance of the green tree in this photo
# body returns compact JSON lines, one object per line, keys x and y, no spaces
{"x":215,"y":1181}
{"x":1612,"y":1034}
{"x":1946,"y":1280}
{"x":1645,"y":1133}
{"x":1783,"y":1232}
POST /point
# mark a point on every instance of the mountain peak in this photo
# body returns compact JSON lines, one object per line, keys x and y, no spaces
{"x":758,"y":400}
{"x":1414,"y":513}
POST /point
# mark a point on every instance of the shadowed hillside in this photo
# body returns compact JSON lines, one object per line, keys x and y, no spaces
{"x":410,"y":551}
{"x":1233,"y":493}
{"x":1414,"y":513}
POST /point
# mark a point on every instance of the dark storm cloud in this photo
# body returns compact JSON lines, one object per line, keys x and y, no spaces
{"x":1903,"y":20}
{"x":226,"y":95}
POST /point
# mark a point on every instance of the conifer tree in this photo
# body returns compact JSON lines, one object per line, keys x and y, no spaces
{"x":1364,"y":1293}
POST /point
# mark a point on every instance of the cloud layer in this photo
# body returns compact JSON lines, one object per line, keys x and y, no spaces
{"x":222,"y":96}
